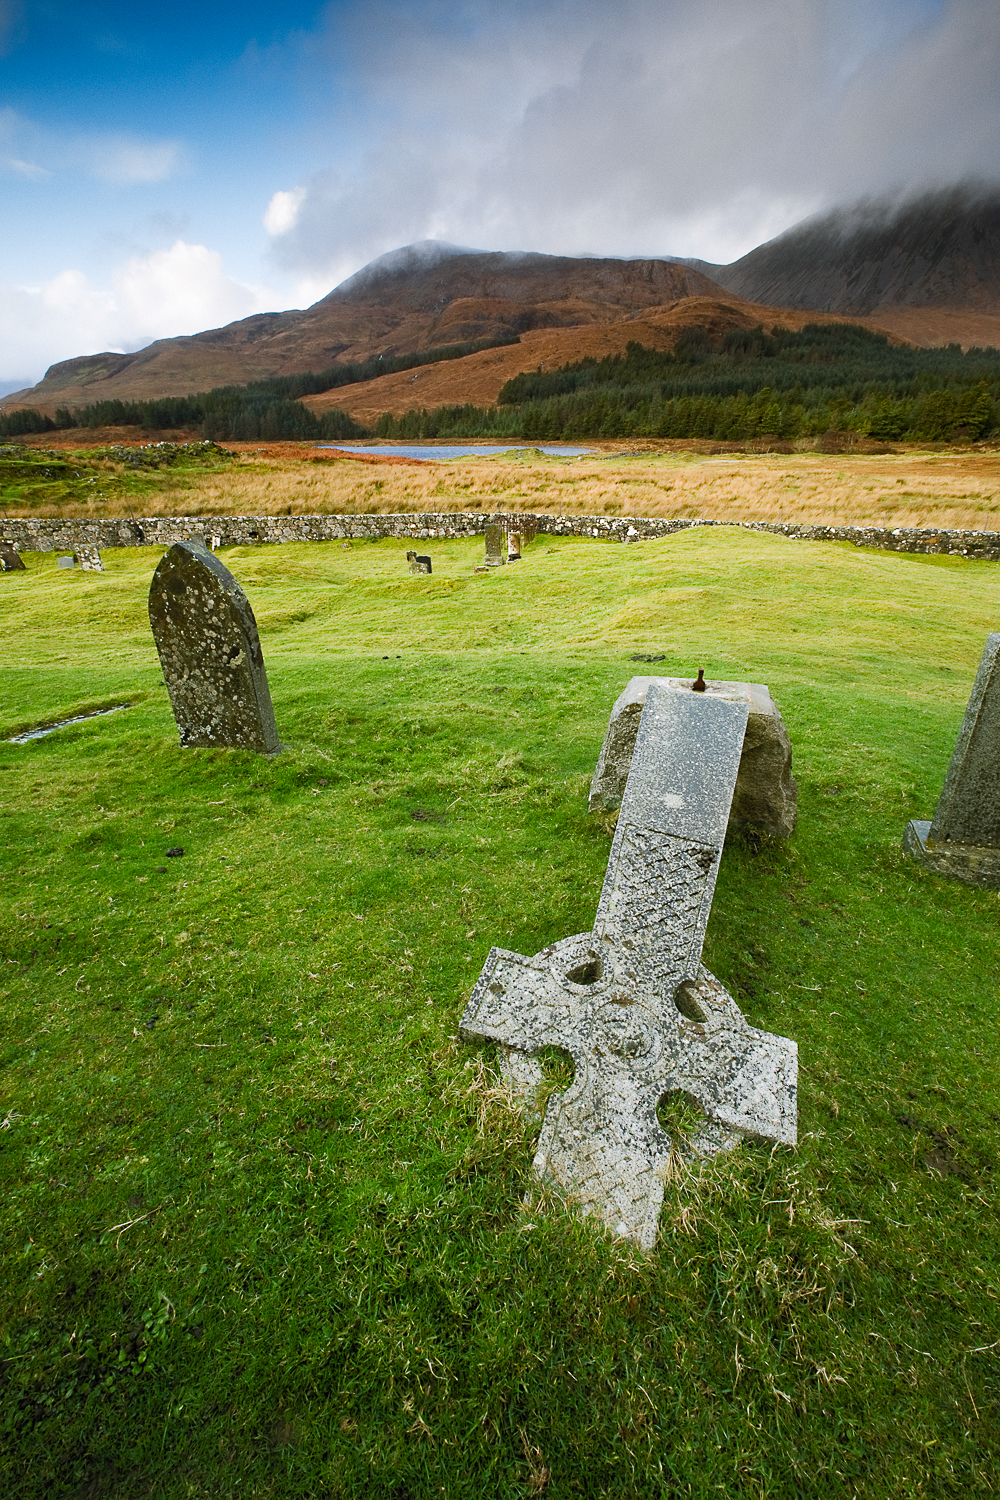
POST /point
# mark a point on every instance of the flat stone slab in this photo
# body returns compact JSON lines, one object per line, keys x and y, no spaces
{"x":631,"y":1000}
{"x":963,"y":837}
{"x":765,"y":797}
{"x":210,"y":652}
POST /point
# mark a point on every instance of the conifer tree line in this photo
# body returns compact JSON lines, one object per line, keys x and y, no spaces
{"x":748,"y":384}
{"x":264,"y":409}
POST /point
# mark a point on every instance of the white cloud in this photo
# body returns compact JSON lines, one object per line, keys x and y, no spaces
{"x":28,"y":169}
{"x":282,"y":212}
{"x":649,"y":127}
{"x":128,"y":159}
{"x":183,"y":290}
{"x":39,"y":152}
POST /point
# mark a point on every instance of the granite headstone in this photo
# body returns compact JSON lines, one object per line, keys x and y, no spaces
{"x":963,"y":837}
{"x":11,"y":560}
{"x":210,"y":652}
{"x":494,"y":546}
{"x":631,"y":1001}
{"x":89,"y":559}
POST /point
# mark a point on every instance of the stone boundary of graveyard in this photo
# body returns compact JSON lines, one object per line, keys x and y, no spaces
{"x":43,"y":534}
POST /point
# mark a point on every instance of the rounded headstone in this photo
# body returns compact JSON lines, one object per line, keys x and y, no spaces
{"x":209,"y":648}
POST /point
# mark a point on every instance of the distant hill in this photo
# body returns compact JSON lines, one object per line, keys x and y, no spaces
{"x":421,"y":297}
{"x":939,"y":254}
{"x":926,"y":271}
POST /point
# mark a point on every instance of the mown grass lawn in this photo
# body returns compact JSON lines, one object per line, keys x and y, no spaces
{"x":268,"y":1229}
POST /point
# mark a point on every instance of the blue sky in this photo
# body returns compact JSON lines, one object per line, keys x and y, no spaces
{"x":168,"y":169}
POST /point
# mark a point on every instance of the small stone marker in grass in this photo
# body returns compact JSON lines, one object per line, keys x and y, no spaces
{"x":418,"y":563}
{"x":11,"y":560}
{"x":513,"y":546}
{"x":65,"y":562}
{"x":89,"y":559}
{"x":494,"y":546}
{"x":963,"y":838}
{"x":766,"y":796}
{"x":642,"y":1018}
{"x":213,"y":666}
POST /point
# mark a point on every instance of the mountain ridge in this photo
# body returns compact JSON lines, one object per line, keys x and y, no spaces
{"x":925,"y":270}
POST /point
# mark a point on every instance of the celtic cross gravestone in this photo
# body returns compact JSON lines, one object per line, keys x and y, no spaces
{"x":631,"y":1001}
{"x":213,"y":666}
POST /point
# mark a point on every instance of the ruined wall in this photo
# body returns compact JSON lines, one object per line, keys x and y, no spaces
{"x":32,"y":534}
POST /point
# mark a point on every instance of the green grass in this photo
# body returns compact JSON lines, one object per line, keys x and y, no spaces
{"x":267,"y":1229}
{"x":33,"y":479}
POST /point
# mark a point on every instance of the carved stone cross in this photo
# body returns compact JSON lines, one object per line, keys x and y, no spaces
{"x":631,"y":1001}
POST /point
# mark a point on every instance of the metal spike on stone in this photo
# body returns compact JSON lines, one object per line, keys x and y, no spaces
{"x":963,"y":838}
{"x":213,"y":666}
{"x":631,"y":1000}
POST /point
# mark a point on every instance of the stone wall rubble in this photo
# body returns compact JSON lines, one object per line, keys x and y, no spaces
{"x":50,"y":534}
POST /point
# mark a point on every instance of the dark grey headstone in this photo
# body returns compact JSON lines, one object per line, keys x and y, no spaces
{"x":11,"y":560}
{"x":210,"y":652}
{"x":963,"y":838}
{"x":494,"y":546}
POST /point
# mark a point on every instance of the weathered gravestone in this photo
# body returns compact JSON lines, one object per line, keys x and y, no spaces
{"x":418,"y":563}
{"x":513,"y":546}
{"x":89,"y":559}
{"x":66,"y":562}
{"x":766,"y":796}
{"x":210,"y":653}
{"x":494,"y":546}
{"x":963,"y":838}
{"x":11,"y":560}
{"x":642,"y":1018}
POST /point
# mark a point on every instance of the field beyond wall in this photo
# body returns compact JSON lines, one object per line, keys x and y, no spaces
{"x":918,"y":487}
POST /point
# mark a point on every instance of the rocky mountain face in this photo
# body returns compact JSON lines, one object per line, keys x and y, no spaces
{"x":940,"y":251}
{"x":421,"y":297}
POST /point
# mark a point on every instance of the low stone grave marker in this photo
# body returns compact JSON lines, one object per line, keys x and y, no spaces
{"x":11,"y":560}
{"x":513,"y":546}
{"x":766,"y":796}
{"x":418,"y":563}
{"x":213,"y":666}
{"x":66,"y":562}
{"x":963,"y":837}
{"x":89,"y":559}
{"x":494,"y":546}
{"x":631,"y":1001}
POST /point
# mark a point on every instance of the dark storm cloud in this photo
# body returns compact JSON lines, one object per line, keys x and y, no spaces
{"x":643,"y":128}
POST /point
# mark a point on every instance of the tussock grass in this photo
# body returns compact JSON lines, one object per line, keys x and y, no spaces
{"x":268,"y":1229}
{"x":910,"y":488}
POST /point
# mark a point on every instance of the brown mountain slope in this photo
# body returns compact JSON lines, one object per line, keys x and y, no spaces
{"x":422,"y":297}
{"x":478,"y":378}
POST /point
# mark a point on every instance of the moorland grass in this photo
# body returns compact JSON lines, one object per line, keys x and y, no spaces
{"x":268,"y":1229}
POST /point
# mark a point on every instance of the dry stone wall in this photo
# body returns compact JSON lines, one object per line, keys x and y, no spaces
{"x":50,"y":534}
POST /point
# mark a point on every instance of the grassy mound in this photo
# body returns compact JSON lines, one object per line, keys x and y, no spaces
{"x":268,"y":1229}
